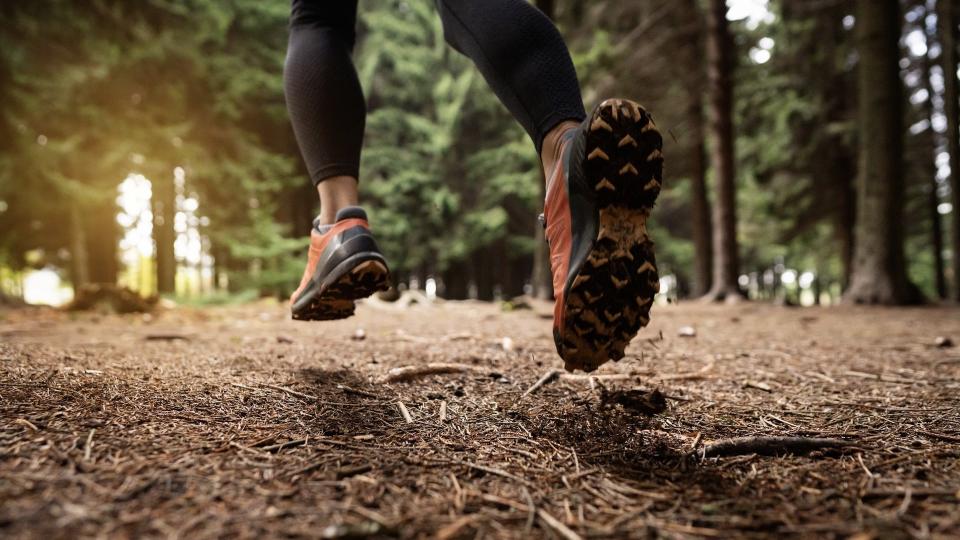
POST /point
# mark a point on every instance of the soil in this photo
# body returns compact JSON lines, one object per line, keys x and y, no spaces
{"x":237,"y":421}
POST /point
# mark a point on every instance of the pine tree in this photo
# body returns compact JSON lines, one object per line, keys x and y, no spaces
{"x":726,"y":258}
{"x":879,"y":271}
{"x":947,"y":17}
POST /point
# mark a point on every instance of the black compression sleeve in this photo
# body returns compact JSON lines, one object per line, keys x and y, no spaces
{"x":323,"y":94}
{"x":521,"y":55}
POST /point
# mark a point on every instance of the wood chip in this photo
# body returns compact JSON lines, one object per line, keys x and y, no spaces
{"x":405,"y":412}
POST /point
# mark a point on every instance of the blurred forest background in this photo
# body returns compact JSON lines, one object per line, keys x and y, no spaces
{"x":809,"y":148}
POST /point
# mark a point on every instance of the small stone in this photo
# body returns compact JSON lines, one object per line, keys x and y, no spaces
{"x":506,"y":344}
{"x":943,"y":342}
{"x":687,"y":331}
{"x":359,"y":335}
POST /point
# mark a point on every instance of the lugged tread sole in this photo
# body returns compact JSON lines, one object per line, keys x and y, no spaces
{"x":337,"y":300}
{"x":609,"y":300}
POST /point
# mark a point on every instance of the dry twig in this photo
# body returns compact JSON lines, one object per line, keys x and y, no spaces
{"x":408,"y":373}
{"x":557,"y":525}
{"x":291,"y":392}
{"x":769,"y":446}
{"x":547,"y":378}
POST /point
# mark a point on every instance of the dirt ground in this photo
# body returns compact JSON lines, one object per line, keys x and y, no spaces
{"x":239,"y":422}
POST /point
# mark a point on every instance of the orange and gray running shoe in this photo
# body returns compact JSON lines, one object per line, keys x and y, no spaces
{"x":344,"y":264}
{"x":598,"y":200}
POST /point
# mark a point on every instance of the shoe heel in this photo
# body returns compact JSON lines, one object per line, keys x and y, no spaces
{"x":610,"y":299}
{"x":623,"y":155}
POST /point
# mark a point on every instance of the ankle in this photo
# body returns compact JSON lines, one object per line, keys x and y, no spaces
{"x":335,"y":193}
{"x":551,"y":152}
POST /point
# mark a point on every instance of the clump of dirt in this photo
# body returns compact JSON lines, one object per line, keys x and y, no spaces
{"x":634,"y":401}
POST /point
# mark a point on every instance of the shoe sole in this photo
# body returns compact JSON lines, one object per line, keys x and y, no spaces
{"x":336,"y":301}
{"x":610,"y":298}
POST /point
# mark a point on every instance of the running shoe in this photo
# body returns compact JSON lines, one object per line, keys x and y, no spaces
{"x":598,"y":200}
{"x":344,"y":264}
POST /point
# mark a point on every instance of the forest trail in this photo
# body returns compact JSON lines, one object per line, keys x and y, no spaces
{"x":237,"y":421}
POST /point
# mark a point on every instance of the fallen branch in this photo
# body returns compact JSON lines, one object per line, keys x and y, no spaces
{"x":407,"y":373}
{"x":167,"y":337}
{"x":605,"y":377}
{"x":697,"y":375}
{"x":740,"y":446}
{"x":546,"y":379}
{"x":884,"y":378}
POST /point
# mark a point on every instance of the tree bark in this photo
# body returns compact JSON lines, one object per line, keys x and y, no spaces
{"x":691,"y":42}
{"x":699,"y":204}
{"x":102,"y":237}
{"x":933,"y":201}
{"x":164,"y":236}
{"x":483,"y":259}
{"x":879,"y":272}
{"x":455,"y":281}
{"x":947,"y":17}
{"x":726,"y":259}
{"x":79,"y":275}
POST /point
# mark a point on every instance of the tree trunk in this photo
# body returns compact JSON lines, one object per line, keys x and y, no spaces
{"x":102,"y":236}
{"x":456,"y":281}
{"x":936,"y":239}
{"x":947,"y":17}
{"x":79,"y":275}
{"x":726,"y":259}
{"x":699,"y":204}
{"x":933,"y":201}
{"x":879,"y":273}
{"x":483,"y":259}
{"x":164,"y":236}
{"x":691,"y":56}
{"x":513,"y":273}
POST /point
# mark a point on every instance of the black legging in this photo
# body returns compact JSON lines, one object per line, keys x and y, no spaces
{"x":517,"y":49}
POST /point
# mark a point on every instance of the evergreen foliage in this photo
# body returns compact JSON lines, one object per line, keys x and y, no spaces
{"x":92,"y":91}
